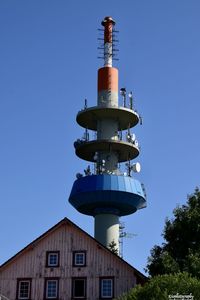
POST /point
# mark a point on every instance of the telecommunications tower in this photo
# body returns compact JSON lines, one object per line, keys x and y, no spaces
{"x":107,"y":193}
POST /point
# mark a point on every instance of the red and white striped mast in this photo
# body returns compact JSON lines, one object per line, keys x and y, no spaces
{"x":108,"y":23}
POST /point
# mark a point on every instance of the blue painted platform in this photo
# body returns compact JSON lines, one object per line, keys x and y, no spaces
{"x":120,"y":195}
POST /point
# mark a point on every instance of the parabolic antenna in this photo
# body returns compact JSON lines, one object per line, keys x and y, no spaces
{"x":136,"y":167}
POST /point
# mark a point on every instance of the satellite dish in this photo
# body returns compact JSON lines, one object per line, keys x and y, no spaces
{"x":136,"y":143}
{"x":136,"y":167}
{"x":133,"y":137}
{"x":130,"y":95}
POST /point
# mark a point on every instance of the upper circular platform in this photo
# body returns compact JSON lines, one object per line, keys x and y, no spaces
{"x":125,"y":117}
{"x":120,"y":195}
{"x":126,"y":151}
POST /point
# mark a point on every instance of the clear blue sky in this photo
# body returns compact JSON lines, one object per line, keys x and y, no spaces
{"x":48,"y":66}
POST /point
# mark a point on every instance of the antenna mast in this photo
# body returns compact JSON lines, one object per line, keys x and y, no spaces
{"x":108,"y":194}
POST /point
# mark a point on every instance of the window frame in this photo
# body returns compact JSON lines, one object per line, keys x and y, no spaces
{"x":101,"y":296}
{"x":74,"y":258}
{"x":73,"y":287}
{"x":48,"y":254}
{"x":19,"y":281}
{"x":46,"y":287}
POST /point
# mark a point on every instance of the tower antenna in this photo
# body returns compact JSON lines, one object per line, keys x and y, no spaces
{"x":108,"y":194}
{"x":123,"y":234}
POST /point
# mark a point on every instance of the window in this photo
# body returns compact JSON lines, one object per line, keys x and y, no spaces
{"x":78,"y":288}
{"x":79,"y":259}
{"x":51,"y":288}
{"x":52,"y":259}
{"x":24,"y":288}
{"x":106,"y":288}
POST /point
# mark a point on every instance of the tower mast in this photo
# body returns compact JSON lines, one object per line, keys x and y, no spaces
{"x":108,"y":194}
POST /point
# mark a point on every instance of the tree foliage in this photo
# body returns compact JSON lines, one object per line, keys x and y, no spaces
{"x":181,"y":250}
{"x":113,"y":247}
{"x":161,"y":286}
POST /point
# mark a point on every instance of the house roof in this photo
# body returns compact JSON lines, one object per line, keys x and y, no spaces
{"x":65,"y":221}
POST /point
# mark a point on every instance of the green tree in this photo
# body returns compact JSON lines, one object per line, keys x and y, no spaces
{"x":181,"y":249}
{"x":113,"y":247}
{"x":161,"y":286}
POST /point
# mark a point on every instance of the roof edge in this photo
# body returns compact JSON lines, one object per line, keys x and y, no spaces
{"x":65,"y":220}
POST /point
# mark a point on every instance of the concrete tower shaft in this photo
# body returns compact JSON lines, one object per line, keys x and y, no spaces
{"x":107,"y":224}
{"x":108,"y":87}
{"x":108,"y":193}
{"x":107,"y":128}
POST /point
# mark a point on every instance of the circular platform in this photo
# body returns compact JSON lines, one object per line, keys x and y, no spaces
{"x":120,"y":195}
{"x":126,"y":151}
{"x":125,"y":117}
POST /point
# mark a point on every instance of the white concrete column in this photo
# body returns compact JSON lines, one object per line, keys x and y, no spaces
{"x":108,"y":129}
{"x":107,"y":229}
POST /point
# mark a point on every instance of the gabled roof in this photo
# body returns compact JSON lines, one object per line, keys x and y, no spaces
{"x":65,"y":221}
